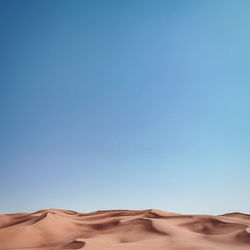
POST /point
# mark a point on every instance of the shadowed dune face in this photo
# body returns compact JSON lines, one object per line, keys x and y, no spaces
{"x":123,"y":229}
{"x":74,"y":245}
{"x":213,"y":226}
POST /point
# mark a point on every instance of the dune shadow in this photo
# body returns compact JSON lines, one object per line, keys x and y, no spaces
{"x":75,"y":244}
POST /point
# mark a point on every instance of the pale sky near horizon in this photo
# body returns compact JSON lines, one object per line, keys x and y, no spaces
{"x":130,"y":104}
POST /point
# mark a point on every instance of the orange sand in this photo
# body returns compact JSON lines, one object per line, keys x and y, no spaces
{"x":123,"y":230}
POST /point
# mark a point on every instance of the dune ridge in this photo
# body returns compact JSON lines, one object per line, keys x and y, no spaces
{"x":57,"y":229}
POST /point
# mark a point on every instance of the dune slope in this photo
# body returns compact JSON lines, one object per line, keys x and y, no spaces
{"x":123,"y":230}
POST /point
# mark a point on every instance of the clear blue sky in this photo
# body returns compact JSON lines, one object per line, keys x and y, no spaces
{"x":130,"y":104}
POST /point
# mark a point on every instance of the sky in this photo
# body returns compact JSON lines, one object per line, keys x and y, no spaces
{"x":132,"y":104}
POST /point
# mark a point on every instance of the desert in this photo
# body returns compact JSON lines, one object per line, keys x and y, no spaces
{"x":55,"y":229}
{"x":125,"y":125}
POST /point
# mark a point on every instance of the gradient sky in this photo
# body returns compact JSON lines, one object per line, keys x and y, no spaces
{"x":130,"y":104}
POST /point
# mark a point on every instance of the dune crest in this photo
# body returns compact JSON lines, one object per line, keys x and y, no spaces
{"x":123,"y":229}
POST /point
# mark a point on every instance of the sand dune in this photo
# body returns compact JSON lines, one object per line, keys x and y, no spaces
{"x":123,"y":230}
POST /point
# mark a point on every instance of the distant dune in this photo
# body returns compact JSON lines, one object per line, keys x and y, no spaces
{"x":123,"y":230}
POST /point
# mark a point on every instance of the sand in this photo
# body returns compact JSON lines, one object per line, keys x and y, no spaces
{"x":123,"y":230}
